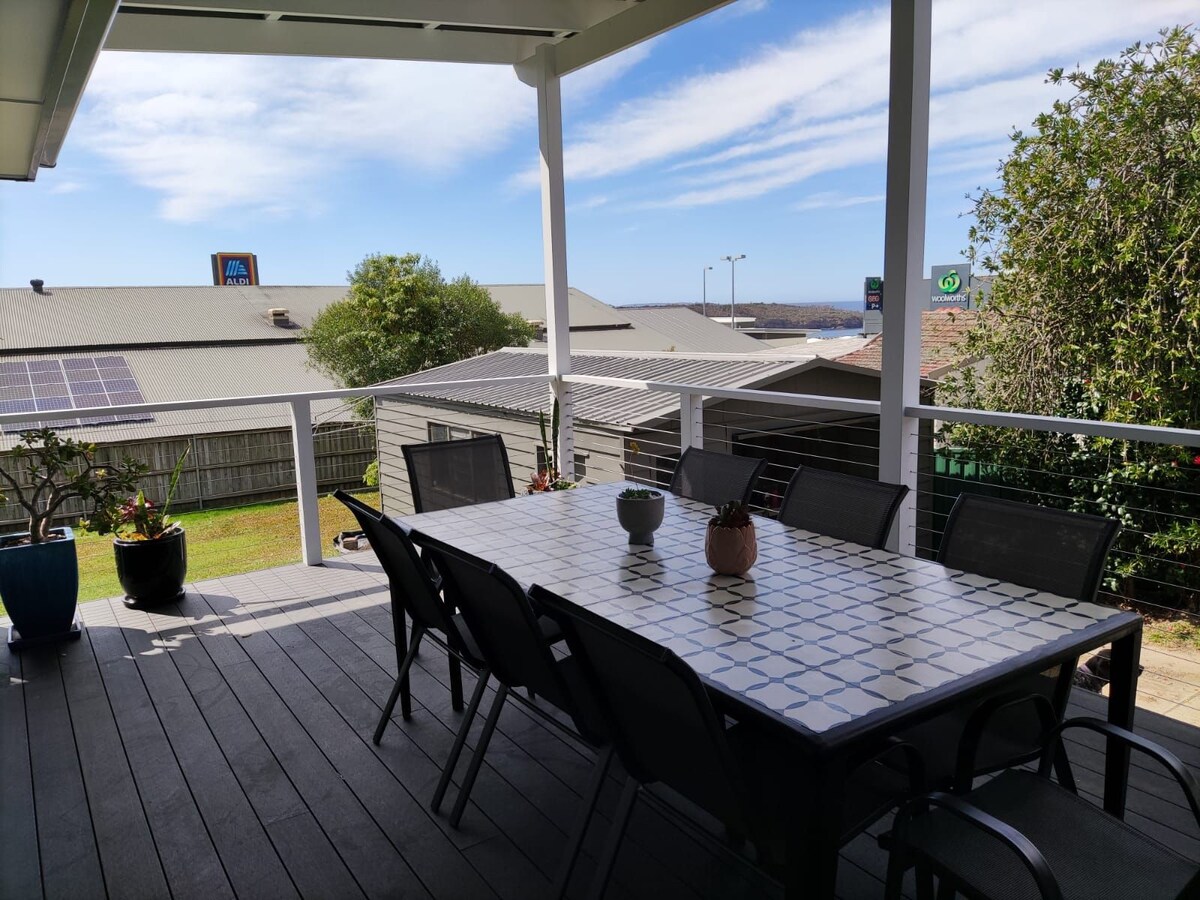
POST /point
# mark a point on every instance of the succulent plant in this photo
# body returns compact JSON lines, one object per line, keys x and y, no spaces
{"x":734,"y":514}
{"x":638,"y":494}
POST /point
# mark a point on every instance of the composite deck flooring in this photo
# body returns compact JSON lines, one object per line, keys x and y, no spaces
{"x":221,"y":748}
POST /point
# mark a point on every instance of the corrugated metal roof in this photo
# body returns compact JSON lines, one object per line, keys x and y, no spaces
{"x":593,"y":403}
{"x":132,"y":316}
{"x":200,"y":373}
{"x":690,"y":331}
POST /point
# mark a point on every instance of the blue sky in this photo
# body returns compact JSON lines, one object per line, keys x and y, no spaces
{"x":759,"y":129}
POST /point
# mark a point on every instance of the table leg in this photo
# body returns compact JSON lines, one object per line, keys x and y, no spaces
{"x":1122,"y":703}
{"x":814,"y":833}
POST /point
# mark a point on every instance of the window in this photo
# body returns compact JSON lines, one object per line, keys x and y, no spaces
{"x":439,"y":432}
{"x":580,"y":462}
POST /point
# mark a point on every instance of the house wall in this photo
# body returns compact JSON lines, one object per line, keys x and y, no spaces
{"x":407,"y":422}
{"x":225,"y":470}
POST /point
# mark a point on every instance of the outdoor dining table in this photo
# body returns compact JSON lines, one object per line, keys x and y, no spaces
{"x":832,"y":644}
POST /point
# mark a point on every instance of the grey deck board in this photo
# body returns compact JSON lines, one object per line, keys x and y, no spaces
{"x":221,"y":747}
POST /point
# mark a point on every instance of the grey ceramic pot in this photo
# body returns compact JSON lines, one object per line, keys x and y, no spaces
{"x":640,"y":517}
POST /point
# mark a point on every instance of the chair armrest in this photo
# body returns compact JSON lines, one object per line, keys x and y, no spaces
{"x":968,"y":745}
{"x":1030,"y":856}
{"x":1165,"y":757}
{"x":913,"y":758}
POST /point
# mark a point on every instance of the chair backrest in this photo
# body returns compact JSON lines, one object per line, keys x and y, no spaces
{"x":446,"y":474}
{"x":848,"y":507}
{"x":411,"y":585}
{"x":1052,"y":550}
{"x":661,"y":721}
{"x":503,"y":623}
{"x":715,"y":478}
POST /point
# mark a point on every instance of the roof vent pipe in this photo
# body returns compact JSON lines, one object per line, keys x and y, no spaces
{"x":37,"y":284}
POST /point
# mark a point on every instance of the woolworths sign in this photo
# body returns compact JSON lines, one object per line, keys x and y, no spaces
{"x":948,"y":284}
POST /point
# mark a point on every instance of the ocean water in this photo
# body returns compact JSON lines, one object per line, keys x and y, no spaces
{"x":836,"y":332}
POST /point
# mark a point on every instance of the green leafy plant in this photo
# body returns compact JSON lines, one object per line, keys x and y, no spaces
{"x":138,"y":519}
{"x":734,"y":514}
{"x":51,"y":471}
{"x":548,"y":478}
{"x":639,"y":494}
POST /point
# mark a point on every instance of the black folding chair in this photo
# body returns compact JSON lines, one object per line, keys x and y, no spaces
{"x":1051,"y":550}
{"x":515,"y":643}
{"x":666,"y":730}
{"x":847,"y":507}
{"x":415,"y":593}
{"x":715,"y":478}
{"x":446,"y":474}
{"x":1021,"y":836}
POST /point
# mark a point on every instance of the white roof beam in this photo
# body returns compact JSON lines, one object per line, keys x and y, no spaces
{"x":566,"y":16}
{"x":638,"y":22}
{"x":188,"y":34}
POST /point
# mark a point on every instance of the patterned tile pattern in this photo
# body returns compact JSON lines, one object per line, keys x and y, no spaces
{"x":821,"y":632}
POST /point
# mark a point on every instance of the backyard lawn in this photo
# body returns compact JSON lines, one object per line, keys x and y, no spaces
{"x":220,"y":542}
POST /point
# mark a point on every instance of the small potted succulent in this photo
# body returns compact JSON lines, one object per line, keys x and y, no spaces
{"x":640,"y":512}
{"x":39,"y":573}
{"x":149,"y":547}
{"x":730,"y":545}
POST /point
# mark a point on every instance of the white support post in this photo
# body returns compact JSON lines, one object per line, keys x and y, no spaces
{"x":904,"y":255}
{"x":691,"y":421}
{"x":306,"y":483}
{"x":554,"y":243}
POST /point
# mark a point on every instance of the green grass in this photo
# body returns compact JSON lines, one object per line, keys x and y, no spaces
{"x":219,"y":542}
{"x":1174,"y":634}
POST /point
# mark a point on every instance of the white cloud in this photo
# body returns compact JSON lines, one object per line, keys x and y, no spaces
{"x":816,"y":102}
{"x":66,"y":187}
{"x":834,"y":200}
{"x":214,"y":134}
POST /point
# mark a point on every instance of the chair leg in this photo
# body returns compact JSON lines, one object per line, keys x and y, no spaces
{"x":896,"y":867}
{"x":617,"y":831}
{"x":456,"y":691}
{"x":402,"y":646}
{"x":399,"y":688}
{"x":485,"y":737}
{"x":945,"y":888}
{"x":579,"y":831}
{"x":459,"y":740}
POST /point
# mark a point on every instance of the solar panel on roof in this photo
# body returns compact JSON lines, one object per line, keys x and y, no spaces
{"x":80,"y":383}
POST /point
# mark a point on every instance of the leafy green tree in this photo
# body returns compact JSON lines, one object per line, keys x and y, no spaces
{"x":401,"y":316}
{"x":1093,"y":239}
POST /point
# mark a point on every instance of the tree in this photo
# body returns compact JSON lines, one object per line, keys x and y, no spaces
{"x":401,"y":316}
{"x":1093,"y":238}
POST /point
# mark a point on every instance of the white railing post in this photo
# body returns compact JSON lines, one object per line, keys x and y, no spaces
{"x":904,"y":255}
{"x":306,"y":483}
{"x":691,"y":421}
{"x":554,"y":244}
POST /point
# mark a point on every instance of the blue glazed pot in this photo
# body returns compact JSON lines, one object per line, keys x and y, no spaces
{"x":39,"y":584}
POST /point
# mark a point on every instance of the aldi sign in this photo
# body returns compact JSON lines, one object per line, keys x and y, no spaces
{"x":235,"y":268}
{"x":949,"y":285}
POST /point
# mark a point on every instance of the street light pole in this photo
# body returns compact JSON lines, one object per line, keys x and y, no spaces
{"x":704,"y":296}
{"x":732,"y":260}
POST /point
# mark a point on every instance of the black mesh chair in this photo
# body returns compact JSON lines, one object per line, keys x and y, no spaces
{"x":515,"y":643}
{"x":715,"y":478}
{"x":446,"y":474}
{"x":1022,"y":836}
{"x":1046,"y":549}
{"x":847,"y":507}
{"x":666,"y":730}
{"x":414,"y":593}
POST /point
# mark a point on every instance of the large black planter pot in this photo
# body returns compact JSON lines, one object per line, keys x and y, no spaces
{"x":39,"y":584}
{"x":152,"y":572}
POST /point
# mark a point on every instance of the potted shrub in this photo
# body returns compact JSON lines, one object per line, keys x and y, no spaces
{"x":640,"y":512}
{"x":548,"y":479}
{"x":39,"y":575}
{"x":150,"y":549}
{"x":730,"y":545}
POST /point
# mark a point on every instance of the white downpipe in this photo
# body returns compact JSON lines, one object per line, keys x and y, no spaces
{"x":554,"y":244}
{"x":691,"y":421}
{"x":306,"y":483}
{"x":904,"y":255}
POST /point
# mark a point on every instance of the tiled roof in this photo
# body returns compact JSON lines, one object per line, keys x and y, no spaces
{"x":942,"y":333}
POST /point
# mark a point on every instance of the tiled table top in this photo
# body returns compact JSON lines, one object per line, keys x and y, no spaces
{"x":822,"y":632}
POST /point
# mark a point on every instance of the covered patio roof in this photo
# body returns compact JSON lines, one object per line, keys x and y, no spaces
{"x":48,"y":48}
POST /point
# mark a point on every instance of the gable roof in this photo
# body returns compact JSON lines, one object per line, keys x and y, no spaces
{"x":942,"y":333}
{"x":690,"y":331}
{"x":595,"y":403}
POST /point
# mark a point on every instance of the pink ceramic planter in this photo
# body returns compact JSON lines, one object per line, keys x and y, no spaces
{"x":731,"y":551}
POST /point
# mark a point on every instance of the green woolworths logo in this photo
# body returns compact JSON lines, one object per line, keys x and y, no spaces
{"x":950,"y":283}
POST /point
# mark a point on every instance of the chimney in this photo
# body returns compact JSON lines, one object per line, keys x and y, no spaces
{"x":279,"y":317}
{"x":38,"y":285}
